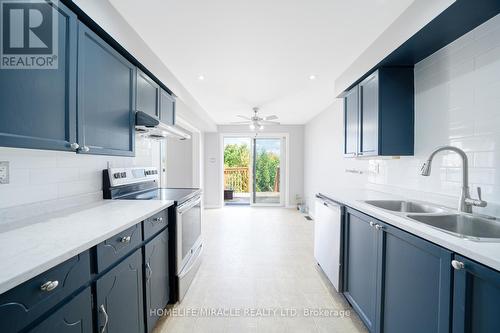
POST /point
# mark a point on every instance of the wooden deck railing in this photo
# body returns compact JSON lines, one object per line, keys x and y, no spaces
{"x":237,"y":179}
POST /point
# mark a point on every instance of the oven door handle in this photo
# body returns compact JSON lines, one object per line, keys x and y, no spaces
{"x":188,"y":205}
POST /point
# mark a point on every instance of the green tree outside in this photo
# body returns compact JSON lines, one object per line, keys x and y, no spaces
{"x":266,"y":166}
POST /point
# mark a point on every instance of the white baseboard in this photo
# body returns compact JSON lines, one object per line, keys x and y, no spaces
{"x":212,"y":206}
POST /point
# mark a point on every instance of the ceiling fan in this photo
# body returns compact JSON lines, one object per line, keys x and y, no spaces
{"x":255,"y":122}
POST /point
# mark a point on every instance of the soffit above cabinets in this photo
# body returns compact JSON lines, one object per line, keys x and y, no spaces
{"x":423,"y":28}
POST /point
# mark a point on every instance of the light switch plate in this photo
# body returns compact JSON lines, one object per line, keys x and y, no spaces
{"x":4,"y":172}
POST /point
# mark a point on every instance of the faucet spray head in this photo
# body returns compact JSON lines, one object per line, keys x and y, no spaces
{"x":425,"y":170}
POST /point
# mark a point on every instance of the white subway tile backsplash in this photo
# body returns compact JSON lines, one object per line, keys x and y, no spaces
{"x":41,"y":175}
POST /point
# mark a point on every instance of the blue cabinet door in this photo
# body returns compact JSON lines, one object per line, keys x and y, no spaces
{"x":156,"y":278}
{"x":167,"y":108}
{"x":38,"y":106}
{"x":351,"y":122}
{"x":476,"y":298}
{"x":416,"y":284}
{"x":148,"y":93}
{"x":73,"y":317}
{"x":106,"y":97}
{"x":369,"y":115}
{"x":361,"y":248}
{"x":119,"y":296}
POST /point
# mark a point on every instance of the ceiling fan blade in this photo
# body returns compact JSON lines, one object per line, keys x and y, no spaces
{"x":271,"y":117}
{"x":244,"y":117}
{"x":269,"y":122}
{"x":240,"y":122}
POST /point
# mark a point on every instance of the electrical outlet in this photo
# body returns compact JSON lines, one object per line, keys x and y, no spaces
{"x":4,"y":172}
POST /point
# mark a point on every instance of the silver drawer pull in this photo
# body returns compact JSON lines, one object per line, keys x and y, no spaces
{"x":149,"y":271}
{"x":458,"y":265}
{"x":106,"y":318}
{"x":125,"y":239}
{"x":49,"y":285}
{"x":372,"y":224}
{"x":379,"y":227}
{"x":158,"y":219}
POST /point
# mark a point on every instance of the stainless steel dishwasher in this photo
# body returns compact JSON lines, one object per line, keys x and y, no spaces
{"x":328,"y":238}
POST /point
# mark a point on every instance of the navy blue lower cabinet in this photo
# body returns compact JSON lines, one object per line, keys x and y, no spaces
{"x":156,"y":278}
{"x":119,"y":297}
{"x":476,"y":297}
{"x":416,"y":284}
{"x":106,"y":97}
{"x":38,"y":106}
{"x":21,"y":306}
{"x":361,"y":249}
{"x":73,"y":317}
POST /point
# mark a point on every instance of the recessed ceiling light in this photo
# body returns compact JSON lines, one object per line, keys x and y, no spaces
{"x":201,"y":77}
{"x":312,"y":77}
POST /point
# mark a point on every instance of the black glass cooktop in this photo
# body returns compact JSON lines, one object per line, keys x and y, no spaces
{"x":179,"y":195}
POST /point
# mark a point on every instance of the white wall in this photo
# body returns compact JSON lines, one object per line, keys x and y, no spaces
{"x":456,"y":102}
{"x":213,"y":155}
{"x":212,"y":175}
{"x":41,"y":175}
{"x":179,"y":163}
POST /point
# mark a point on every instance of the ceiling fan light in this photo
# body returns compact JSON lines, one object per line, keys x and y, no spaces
{"x":261,"y":127}
{"x":252,"y":126}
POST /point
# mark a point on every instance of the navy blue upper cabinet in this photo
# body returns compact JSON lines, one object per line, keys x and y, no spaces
{"x":156,"y":278}
{"x":38,"y":106}
{"x":351,"y":122}
{"x":476,"y":298}
{"x":167,"y":108}
{"x":120,"y":297}
{"x":361,"y":266}
{"x":106,"y":97}
{"x":385,"y":113}
{"x":148,"y":94}
{"x":368,"y":114}
{"x":416,"y":284}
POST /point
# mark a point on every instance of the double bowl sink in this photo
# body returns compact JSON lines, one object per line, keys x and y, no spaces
{"x":462,"y":225}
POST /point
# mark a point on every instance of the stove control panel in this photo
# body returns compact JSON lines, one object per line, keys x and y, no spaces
{"x":125,"y":176}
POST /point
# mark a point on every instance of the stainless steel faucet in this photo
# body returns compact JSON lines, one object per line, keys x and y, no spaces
{"x":465,"y":203}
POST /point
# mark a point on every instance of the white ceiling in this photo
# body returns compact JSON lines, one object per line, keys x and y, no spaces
{"x":260,"y":52}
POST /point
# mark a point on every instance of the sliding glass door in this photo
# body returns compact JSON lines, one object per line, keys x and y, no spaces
{"x":254,"y":170}
{"x":267,"y":171}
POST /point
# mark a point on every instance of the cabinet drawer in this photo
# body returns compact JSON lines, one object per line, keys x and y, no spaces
{"x":74,"y":316}
{"x":117,"y":247}
{"x":25,"y":303}
{"x":155,"y":223}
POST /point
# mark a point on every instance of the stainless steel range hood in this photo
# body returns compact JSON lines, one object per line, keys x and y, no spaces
{"x":152,"y":127}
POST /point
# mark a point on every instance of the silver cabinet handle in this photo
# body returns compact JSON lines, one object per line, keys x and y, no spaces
{"x":379,"y":227}
{"x":74,"y":146}
{"x":125,"y":239}
{"x":106,"y":318}
{"x":372,"y":224}
{"x":458,"y":265}
{"x":158,"y":219}
{"x":84,"y":149}
{"x":149,"y":271}
{"x":49,"y":285}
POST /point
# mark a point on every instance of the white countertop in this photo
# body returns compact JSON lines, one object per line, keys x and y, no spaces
{"x":487,"y":253}
{"x":51,"y":239}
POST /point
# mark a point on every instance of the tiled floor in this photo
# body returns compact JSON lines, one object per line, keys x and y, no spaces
{"x":259,"y":261}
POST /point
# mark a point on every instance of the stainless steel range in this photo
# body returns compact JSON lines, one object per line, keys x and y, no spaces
{"x":186,"y":222}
